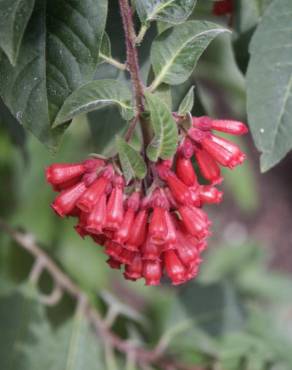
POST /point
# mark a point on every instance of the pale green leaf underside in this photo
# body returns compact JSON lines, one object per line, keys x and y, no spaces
{"x":95,"y":95}
{"x":59,"y":53}
{"x":132,"y":163}
{"x":14,"y":16}
{"x":187,"y":103}
{"x":77,"y":347}
{"x":176,"y":51}
{"x":269,"y":84}
{"x":172,"y":11}
{"x":164,"y":143}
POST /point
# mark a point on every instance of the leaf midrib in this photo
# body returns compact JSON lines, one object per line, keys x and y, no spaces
{"x":73,"y":349}
{"x":164,"y":70}
{"x":158,"y":9}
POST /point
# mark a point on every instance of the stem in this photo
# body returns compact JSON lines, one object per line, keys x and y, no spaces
{"x":113,"y":62}
{"x":132,"y":56}
{"x":141,"y":34}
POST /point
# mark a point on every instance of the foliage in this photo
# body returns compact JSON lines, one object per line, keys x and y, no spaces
{"x":64,"y":61}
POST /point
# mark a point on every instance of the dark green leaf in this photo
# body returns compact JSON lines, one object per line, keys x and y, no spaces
{"x":95,"y":95}
{"x":172,"y":11}
{"x":269,"y":84}
{"x":16,"y":132}
{"x":187,"y":103}
{"x":104,"y":125}
{"x":176,"y":51}
{"x":132,"y":163}
{"x":14,"y":16}
{"x":165,"y":138}
{"x":59,"y":53}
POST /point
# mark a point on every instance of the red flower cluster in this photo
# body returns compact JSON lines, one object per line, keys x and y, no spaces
{"x":158,"y":230}
{"x":222,"y":7}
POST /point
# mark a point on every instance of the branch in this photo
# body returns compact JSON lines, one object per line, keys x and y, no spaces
{"x":132,"y":56}
{"x":65,"y":284}
{"x":113,"y":62}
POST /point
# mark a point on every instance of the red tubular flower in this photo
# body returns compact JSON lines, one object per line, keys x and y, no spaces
{"x":210,"y":195}
{"x":135,"y":269}
{"x":208,"y":167}
{"x":67,"y":184}
{"x":174,"y":267}
{"x":96,"y":219}
{"x":66,"y":200}
{"x":92,"y":164}
{"x":171,"y":231}
{"x":186,"y":148}
{"x":59,"y":173}
{"x":157,"y":226}
{"x":223,"y":151}
{"x":92,"y":194}
{"x":187,"y":252}
{"x":178,"y":189}
{"x":138,"y":232}
{"x":150,"y":250}
{"x":152,"y":272}
{"x":194,"y":223}
{"x":229,"y":126}
{"x":185,"y":171}
{"x":113,"y":249}
{"x":115,"y":208}
{"x":222,"y":7}
{"x":123,"y":232}
{"x":80,"y":227}
{"x":113,"y":263}
{"x":126,"y":256}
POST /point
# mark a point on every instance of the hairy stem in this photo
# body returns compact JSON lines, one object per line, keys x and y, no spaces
{"x":132,"y":55}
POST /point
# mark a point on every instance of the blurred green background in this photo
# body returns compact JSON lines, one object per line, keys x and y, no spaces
{"x":236,"y":316}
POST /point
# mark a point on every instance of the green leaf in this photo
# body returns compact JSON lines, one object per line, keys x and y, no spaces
{"x":187,"y":103}
{"x":176,"y":51}
{"x":28,"y":342}
{"x":76,"y":346}
{"x":165,"y":138}
{"x":59,"y":53}
{"x":269,"y":84}
{"x":25,"y":332}
{"x":172,"y":11}
{"x":14,"y":16}
{"x":215,"y":308}
{"x":96,"y":95}
{"x":132,"y":163}
{"x":104,"y":125}
{"x":105,"y":48}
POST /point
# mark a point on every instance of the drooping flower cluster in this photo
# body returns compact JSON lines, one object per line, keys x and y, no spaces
{"x":155,"y":229}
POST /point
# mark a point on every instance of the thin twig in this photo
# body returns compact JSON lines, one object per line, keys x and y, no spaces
{"x":113,"y":62}
{"x":141,"y":34}
{"x":53,"y":298}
